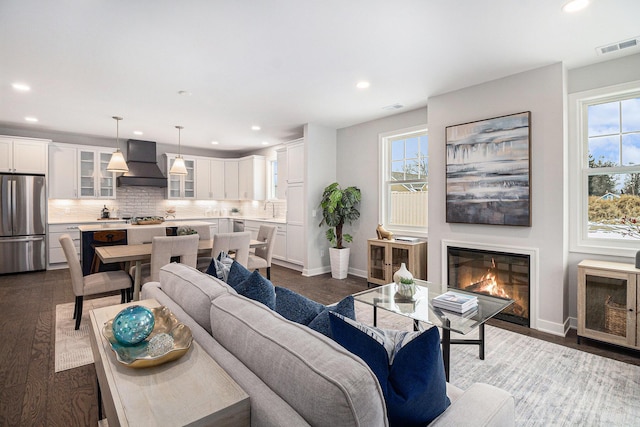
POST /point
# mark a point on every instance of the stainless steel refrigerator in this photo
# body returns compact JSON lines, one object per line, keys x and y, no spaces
{"x":22,"y":223}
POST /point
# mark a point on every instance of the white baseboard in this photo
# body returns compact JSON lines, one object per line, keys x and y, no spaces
{"x":559,"y":329}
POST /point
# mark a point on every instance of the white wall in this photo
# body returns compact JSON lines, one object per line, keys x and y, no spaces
{"x":357,"y":165}
{"x":320,"y":171}
{"x":542,"y":92}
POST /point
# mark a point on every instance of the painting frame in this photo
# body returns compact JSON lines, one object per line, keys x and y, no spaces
{"x":488,"y":171}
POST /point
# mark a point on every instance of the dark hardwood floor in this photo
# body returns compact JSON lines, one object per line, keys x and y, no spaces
{"x":31,"y":394}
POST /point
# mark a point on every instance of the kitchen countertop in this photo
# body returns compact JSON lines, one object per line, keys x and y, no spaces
{"x":120,"y":222}
{"x":120,"y":226}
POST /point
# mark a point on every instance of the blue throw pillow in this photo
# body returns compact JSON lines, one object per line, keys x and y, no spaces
{"x":258,"y":289}
{"x":300,"y":309}
{"x":237,"y":274}
{"x":408,"y":366}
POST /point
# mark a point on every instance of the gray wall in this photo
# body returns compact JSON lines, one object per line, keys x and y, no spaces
{"x":542,"y":92}
{"x":357,"y":164}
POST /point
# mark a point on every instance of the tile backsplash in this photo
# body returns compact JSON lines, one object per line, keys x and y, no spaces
{"x":131,"y":201}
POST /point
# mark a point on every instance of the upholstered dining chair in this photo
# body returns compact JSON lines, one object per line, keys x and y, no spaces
{"x":92,"y":284}
{"x":204,"y":233}
{"x":238,"y":242}
{"x":143,"y":234}
{"x":261,"y":258}
{"x":163,"y":248}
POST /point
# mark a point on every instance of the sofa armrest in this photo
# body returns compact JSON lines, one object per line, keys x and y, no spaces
{"x":480,"y":405}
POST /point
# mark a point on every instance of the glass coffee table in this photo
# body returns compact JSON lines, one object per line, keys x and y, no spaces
{"x":420,"y":310}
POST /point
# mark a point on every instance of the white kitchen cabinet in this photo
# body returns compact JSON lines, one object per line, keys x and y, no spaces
{"x":225,"y":225}
{"x":253,"y":227}
{"x":95,"y":181}
{"x":295,"y":244}
{"x":281,"y":185}
{"x":295,"y":204}
{"x":209,"y":179}
{"x":251,"y":178}
{"x":231,"y":184}
{"x":23,"y":155}
{"x":63,"y":171}
{"x":295,"y":162}
{"x":181,"y":186}
{"x":57,"y":258}
{"x":280,"y":244}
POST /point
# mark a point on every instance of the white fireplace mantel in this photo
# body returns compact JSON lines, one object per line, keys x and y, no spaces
{"x":533,"y":267}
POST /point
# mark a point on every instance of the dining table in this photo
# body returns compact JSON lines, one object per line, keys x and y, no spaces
{"x":139,"y":253}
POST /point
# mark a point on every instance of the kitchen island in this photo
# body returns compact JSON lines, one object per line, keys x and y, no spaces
{"x":109,"y":234}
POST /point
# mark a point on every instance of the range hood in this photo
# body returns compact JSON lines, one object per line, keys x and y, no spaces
{"x":143,"y":169}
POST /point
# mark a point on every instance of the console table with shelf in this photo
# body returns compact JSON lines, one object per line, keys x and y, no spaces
{"x":386,"y":256}
{"x":607,"y":302}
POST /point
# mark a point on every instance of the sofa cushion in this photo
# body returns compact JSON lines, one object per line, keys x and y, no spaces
{"x":258,"y":289}
{"x":408,"y":365}
{"x":322,"y":381}
{"x":220,"y":266}
{"x":300,"y":309}
{"x":237,"y":274}
{"x":192,"y":290}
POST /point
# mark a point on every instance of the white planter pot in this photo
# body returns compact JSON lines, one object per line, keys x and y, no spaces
{"x":339,"y":262}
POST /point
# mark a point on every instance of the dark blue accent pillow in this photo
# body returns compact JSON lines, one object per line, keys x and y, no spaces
{"x":408,"y":366}
{"x":258,"y":289}
{"x":237,"y":274}
{"x":300,"y":309}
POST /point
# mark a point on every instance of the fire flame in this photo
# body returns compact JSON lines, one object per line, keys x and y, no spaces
{"x":490,"y":286}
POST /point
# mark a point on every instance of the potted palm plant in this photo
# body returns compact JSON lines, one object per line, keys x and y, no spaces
{"x":339,"y":207}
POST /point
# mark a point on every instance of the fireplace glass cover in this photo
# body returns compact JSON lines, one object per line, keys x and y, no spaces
{"x":499,"y":274}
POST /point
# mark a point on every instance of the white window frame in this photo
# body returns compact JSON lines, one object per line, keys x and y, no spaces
{"x":384,"y":164}
{"x":578,"y":174}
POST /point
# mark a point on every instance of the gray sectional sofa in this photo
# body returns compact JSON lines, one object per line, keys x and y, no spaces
{"x":294,"y":375}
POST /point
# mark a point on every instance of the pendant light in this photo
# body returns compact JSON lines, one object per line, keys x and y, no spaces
{"x":178,"y":167}
{"x":117,"y":163}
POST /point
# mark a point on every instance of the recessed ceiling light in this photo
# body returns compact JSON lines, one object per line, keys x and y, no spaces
{"x":31,"y":119}
{"x":255,"y":127}
{"x":21,"y":87}
{"x":363,"y":85}
{"x":265,"y":143}
{"x":138,"y":132}
{"x":575,"y":5}
{"x":184,"y":92}
{"x":214,"y":143}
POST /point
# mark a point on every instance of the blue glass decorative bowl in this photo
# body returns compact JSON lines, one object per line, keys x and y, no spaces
{"x":133,"y":325}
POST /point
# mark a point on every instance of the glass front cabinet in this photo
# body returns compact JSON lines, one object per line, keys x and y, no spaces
{"x":181,"y":186}
{"x":607,"y":302}
{"x":95,"y":181}
{"x":386,"y":257}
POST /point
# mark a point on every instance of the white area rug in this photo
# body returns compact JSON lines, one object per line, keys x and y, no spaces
{"x":552,"y":385}
{"x":73,"y":348}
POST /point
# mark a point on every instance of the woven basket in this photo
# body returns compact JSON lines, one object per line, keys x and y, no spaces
{"x":615,"y":318}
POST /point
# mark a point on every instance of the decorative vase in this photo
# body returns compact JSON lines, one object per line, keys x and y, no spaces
{"x":402,"y":273}
{"x":133,"y":325}
{"x":339,"y":262}
{"x":406,"y":290}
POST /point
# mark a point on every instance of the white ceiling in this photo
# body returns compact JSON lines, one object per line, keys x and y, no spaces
{"x":276,"y":63}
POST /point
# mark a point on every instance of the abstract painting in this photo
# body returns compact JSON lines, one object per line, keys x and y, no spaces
{"x":488,"y":171}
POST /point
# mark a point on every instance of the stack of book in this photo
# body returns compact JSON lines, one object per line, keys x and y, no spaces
{"x":454,"y":301}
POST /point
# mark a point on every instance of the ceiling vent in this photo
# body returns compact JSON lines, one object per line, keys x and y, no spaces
{"x":393,"y":107}
{"x":615,"y":47}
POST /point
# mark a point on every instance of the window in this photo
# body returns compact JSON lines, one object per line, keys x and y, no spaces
{"x":404,"y":185}
{"x":608,"y":179}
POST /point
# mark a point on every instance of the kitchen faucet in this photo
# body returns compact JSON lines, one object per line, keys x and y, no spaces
{"x":273,"y":208}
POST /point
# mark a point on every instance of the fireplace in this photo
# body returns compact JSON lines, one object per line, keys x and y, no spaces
{"x":501,"y":274}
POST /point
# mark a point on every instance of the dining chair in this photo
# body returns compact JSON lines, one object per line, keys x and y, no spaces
{"x":261,"y":258}
{"x":204,"y":233}
{"x":227,"y":242}
{"x":92,"y":284}
{"x":142,"y":234}
{"x":163,"y":249}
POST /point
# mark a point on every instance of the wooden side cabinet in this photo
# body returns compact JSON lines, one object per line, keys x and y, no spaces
{"x":386,"y":256}
{"x":608,"y":302}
